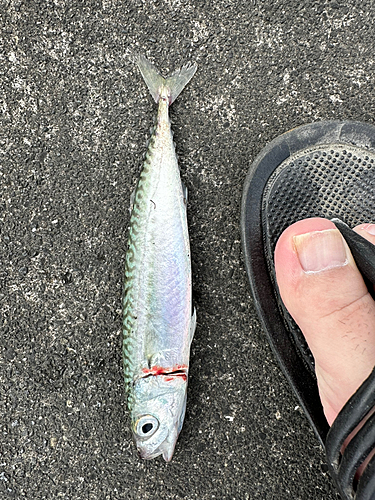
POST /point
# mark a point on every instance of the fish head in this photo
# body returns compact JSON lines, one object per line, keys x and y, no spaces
{"x":158,"y":413}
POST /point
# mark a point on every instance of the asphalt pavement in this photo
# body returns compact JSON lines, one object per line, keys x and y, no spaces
{"x":75,"y":117}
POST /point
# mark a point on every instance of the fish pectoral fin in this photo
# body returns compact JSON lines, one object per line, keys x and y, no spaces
{"x":193,"y":325}
{"x":162,"y":358}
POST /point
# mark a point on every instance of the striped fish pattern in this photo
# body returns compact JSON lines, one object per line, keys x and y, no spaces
{"x":158,"y":323}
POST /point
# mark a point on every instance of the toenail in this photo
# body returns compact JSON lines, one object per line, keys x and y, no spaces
{"x":370,"y":228}
{"x":321,"y":250}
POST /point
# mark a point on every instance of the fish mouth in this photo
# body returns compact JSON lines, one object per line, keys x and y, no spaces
{"x":166,"y":451}
{"x":166,"y":448}
{"x":145,"y":455}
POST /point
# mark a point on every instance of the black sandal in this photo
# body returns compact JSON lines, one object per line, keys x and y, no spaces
{"x":324,"y":169}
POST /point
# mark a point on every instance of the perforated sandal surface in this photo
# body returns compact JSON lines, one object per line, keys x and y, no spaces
{"x":326,"y":170}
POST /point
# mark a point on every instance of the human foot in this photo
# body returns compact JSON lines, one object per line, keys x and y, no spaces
{"x":325,"y":294}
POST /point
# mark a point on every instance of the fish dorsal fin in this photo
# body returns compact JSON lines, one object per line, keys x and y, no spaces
{"x":156,"y":82}
{"x":132,"y":199}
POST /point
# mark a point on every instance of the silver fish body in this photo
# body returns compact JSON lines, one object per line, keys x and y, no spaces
{"x":158,"y":323}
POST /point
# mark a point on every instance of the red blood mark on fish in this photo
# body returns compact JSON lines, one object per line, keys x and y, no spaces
{"x":175,"y":371}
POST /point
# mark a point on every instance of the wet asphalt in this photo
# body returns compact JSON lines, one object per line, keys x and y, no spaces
{"x":75,"y":118}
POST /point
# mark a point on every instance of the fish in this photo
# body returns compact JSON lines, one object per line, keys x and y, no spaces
{"x":158,"y":316}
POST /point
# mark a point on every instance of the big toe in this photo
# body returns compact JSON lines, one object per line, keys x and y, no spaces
{"x":324,"y":292}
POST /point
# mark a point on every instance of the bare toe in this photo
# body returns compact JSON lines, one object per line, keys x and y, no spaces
{"x":324,"y":292}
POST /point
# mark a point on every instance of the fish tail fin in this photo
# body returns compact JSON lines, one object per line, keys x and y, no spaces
{"x":151,"y":75}
{"x":179,"y":79}
{"x":155,"y":81}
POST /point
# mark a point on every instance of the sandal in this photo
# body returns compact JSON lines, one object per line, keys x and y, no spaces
{"x":324,"y":169}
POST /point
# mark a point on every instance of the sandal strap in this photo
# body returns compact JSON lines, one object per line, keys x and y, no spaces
{"x":362,"y":250}
{"x":366,"y":485}
{"x":343,"y":465}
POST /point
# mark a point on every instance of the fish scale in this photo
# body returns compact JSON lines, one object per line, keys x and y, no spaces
{"x":158,"y":325}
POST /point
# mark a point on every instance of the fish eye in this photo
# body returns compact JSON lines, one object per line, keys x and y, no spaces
{"x":146,"y":426}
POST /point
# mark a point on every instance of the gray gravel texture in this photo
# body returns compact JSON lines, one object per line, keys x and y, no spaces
{"x":75,"y":116}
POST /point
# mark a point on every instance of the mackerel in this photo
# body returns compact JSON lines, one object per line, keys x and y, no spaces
{"x":158,"y":323}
